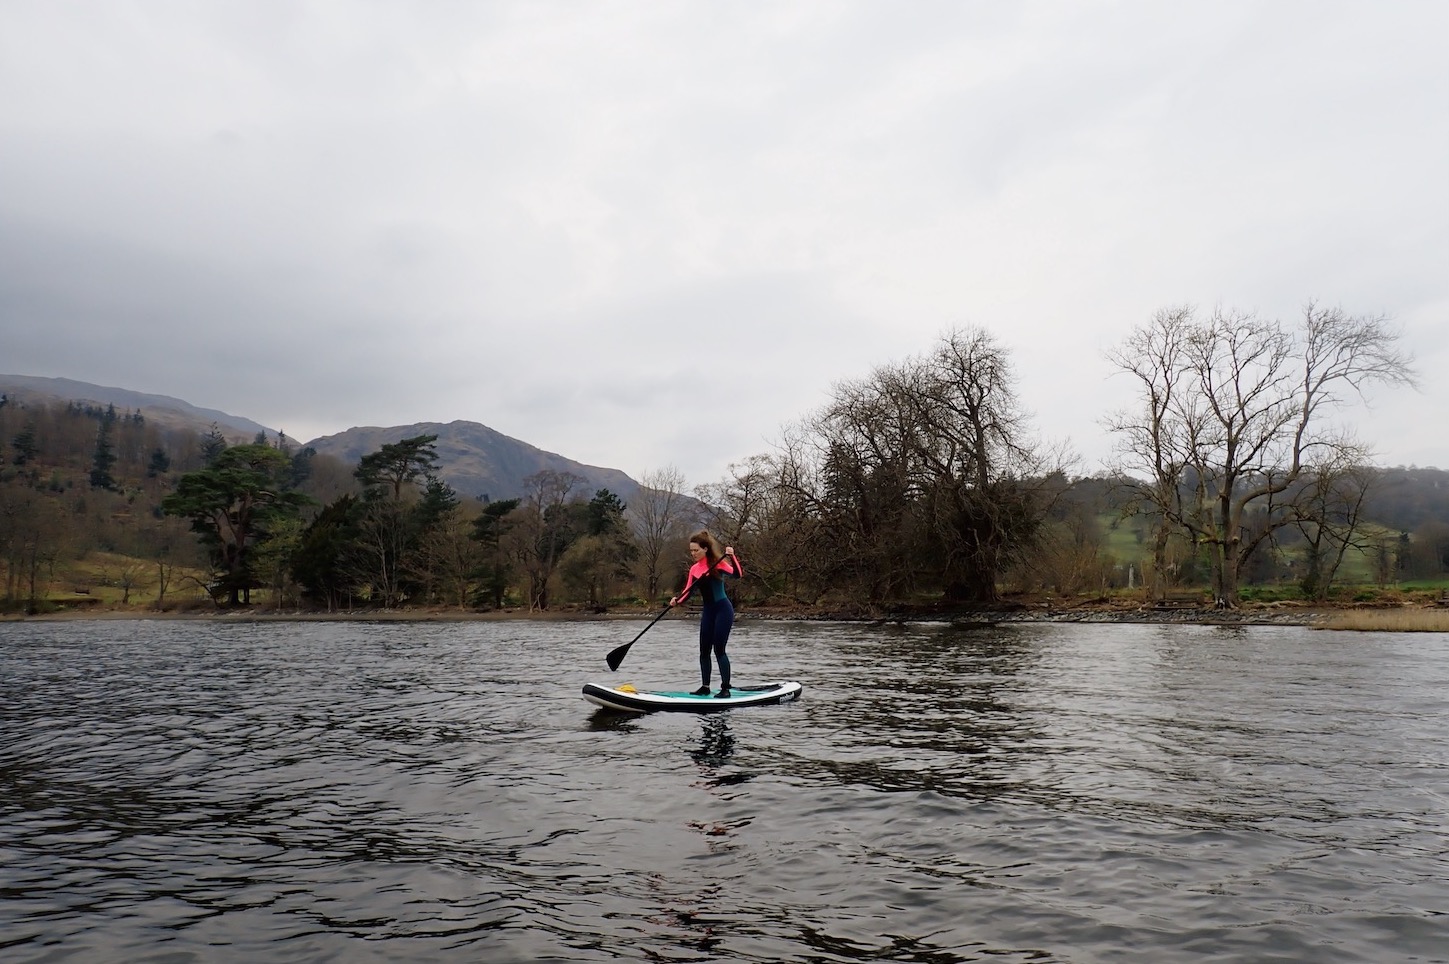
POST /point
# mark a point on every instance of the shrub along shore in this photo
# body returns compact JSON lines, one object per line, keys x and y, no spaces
{"x":1380,"y":617}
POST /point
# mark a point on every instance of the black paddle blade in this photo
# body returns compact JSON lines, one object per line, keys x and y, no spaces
{"x":617,"y":656}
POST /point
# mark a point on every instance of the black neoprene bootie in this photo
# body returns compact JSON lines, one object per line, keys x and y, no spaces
{"x":702,"y":691}
{"x":723,"y":694}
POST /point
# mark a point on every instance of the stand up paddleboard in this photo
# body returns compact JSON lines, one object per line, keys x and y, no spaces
{"x":626,"y":699}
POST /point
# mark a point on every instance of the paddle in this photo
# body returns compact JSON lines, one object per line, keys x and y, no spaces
{"x":616,"y":656}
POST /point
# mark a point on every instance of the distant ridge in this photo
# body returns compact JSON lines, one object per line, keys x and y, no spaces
{"x":477,"y":461}
{"x":166,"y":410}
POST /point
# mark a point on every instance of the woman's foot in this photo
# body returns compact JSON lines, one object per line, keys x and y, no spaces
{"x":723,"y":694}
{"x":702,"y":691}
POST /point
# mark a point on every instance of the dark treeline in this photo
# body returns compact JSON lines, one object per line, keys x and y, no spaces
{"x":919,"y":484}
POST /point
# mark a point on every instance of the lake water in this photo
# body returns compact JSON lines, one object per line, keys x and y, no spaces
{"x":219,"y":791}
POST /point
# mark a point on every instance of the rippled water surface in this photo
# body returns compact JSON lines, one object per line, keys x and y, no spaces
{"x":196,"y":791}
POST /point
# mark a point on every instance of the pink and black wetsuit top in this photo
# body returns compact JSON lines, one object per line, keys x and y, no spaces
{"x":711,"y":584}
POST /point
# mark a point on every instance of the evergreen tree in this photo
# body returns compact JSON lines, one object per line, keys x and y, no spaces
{"x":301,"y":466}
{"x":605,"y":513}
{"x":603,"y":556}
{"x":160,"y":463}
{"x":494,"y":572}
{"x":105,"y":457}
{"x":213,"y":443}
{"x":438,"y":500}
{"x":233,"y":505}
{"x":25,"y":445}
{"x":324,"y":564}
{"x":399,"y":463}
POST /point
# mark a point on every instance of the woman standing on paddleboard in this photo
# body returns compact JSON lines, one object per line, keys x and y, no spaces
{"x":707,"y":575}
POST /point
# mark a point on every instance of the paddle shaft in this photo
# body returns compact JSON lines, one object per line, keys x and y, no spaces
{"x":616,"y":656}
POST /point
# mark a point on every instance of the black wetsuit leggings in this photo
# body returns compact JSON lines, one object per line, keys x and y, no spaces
{"x":715,"y":623}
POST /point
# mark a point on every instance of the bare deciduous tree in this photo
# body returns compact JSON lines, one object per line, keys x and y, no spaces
{"x":380,"y":541}
{"x":987,"y":477}
{"x":34,"y":534}
{"x":1149,"y":437}
{"x":1327,"y":512}
{"x":922,"y":476}
{"x":1233,"y":416}
{"x":657,"y":513}
{"x":447,"y":556}
{"x":540,"y":530}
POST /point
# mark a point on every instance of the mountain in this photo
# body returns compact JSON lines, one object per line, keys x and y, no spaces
{"x":472,"y":458}
{"x":162,"y":409}
{"x":477,"y":461}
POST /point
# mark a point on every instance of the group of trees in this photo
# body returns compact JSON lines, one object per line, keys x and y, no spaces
{"x":168,"y":507}
{"x":401,"y":535}
{"x":918,"y":480}
{"x":921,"y":482}
{"x":79,"y":477}
{"x":924,"y":481}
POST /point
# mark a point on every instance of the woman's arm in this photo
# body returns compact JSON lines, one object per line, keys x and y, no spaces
{"x":684,"y":593}
{"x":737,"y":568}
{"x":689,"y":583}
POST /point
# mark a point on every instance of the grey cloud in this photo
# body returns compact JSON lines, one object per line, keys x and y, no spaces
{"x":552,"y":218}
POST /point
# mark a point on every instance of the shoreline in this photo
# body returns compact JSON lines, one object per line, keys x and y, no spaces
{"x":1273,"y":614}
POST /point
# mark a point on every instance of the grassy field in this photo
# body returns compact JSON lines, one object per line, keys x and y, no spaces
{"x":1358,"y":572}
{"x":111,"y":581}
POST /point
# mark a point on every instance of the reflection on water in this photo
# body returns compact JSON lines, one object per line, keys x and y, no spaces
{"x":716,"y":742}
{"x":218,"y":792}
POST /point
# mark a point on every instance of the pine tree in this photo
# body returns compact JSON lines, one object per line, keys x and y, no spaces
{"x":105,"y":458}
{"x":213,"y":443}
{"x":25,"y":445}
{"x":160,"y":463}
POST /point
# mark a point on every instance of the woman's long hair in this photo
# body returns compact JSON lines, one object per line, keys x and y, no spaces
{"x":713,"y":551}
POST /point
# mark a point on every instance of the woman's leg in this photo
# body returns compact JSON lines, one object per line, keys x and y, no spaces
{"x":706,"y":640}
{"x":723,"y":622}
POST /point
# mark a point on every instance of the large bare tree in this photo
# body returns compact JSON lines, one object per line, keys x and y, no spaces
{"x":926,"y":475}
{"x":542,"y":530}
{"x":1149,"y":437}
{"x":34,"y":534}
{"x":1235,"y":410}
{"x":987,"y":475}
{"x":657,"y":513}
{"x":869,"y":493}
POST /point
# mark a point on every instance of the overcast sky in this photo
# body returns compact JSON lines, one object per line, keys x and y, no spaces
{"x":646,"y":233}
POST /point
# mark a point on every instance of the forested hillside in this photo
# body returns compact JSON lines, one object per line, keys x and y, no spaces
{"x":1407,"y":499}
{"x":81,"y":491}
{"x":107,"y":506}
{"x":160,"y":410}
